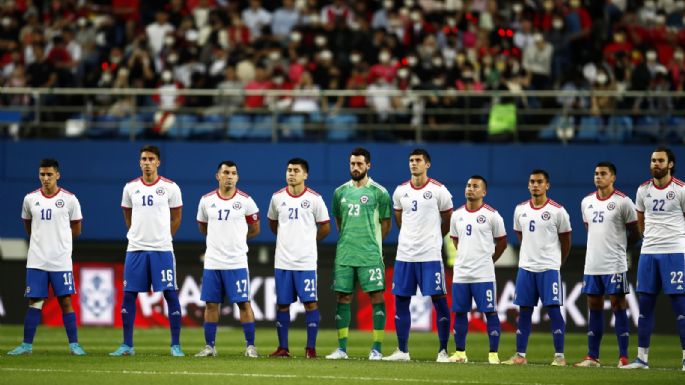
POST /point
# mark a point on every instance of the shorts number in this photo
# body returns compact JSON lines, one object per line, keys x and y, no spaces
{"x":658,"y":204}
{"x":438,"y":278}
{"x":167,"y":275}
{"x":676,"y":277}
{"x":147,"y":199}
{"x":309,"y":285}
{"x":469,"y":228}
{"x":488,"y":295}
{"x":225,"y":218}
{"x":555,"y":288}
{"x":241,"y":285}
{"x":46,"y":214}
{"x":292,"y":213}
{"x":375,"y":274}
{"x":617,"y":278}
{"x":598,"y":216}
{"x":531,"y":226}
{"x":414,"y":205}
{"x":68,"y":279}
{"x":353,"y":210}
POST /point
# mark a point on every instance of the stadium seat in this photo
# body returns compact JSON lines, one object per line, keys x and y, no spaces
{"x":340,"y":126}
{"x":210,"y":127}
{"x":104,"y":126}
{"x":646,"y":129}
{"x":589,"y":130}
{"x":674,"y":129}
{"x":292,"y":126}
{"x":133,"y":123}
{"x":619,"y":129}
{"x":182,"y":127}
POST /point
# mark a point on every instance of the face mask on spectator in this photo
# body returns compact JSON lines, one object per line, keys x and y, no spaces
{"x":439,"y":81}
{"x":384,"y":57}
{"x":388,"y":4}
{"x":355,"y":58}
{"x":601,"y":78}
{"x":403,"y":73}
{"x":408,"y":3}
{"x":460,"y":59}
{"x":320,"y":40}
{"x":574,"y":3}
{"x":649,"y":5}
{"x":660,"y":20}
{"x":557,"y":23}
{"x":106,"y":77}
{"x":437,"y":61}
{"x":167,"y":76}
{"x":169,"y":41}
{"x":172,"y":58}
{"x":451,"y":22}
{"x":412,"y":61}
{"x":548,"y":5}
{"x":295,"y":36}
{"x":278,"y":80}
{"x":82,"y":22}
{"x":651,"y":56}
{"x":326,"y":55}
{"x":415,"y":17}
{"x":678,"y":55}
{"x":274,"y":55}
{"x":6,"y":22}
{"x":517,"y":8}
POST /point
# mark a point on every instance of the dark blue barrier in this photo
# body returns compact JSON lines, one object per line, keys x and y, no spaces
{"x":96,"y":172}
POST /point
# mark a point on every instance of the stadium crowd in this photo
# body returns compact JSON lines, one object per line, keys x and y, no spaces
{"x":470,"y":45}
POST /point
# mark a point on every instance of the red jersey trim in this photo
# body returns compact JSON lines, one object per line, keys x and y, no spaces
{"x":487,"y":206}
{"x":323,"y":222}
{"x":76,"y":221}
{"x":209,"y":193}
{"x":280,"y":191}
{"x":50,"y":196}
{"x":524,"y":202}
{"x":553,"y":203}
{"x":397,"y":209}
{"x":646,"y":183}
{"x":539,"y":208}
{"x":127,"y":208}
{"x":474,"y":211}
{"x":453,"y":237}
{"x":296,"y":196}
{"x":498,"y":238}
{"x":447,"y":211}
{"x":419,"y":188}
{"x":67,"y":191}
{"x":243,"y":193}
{"x":252,"y":218}
{"x":151,"y":184}
{"x":630,"y":223}
{"x":202,"y":222}
{"x":566,"y":232}
{"x":604,"y":199}
{"x":313,"y":192}
{"x":177,"y":207}
{"x":678,"y":181}
{"x":167,"y":179}
{"x":435,"y":182}
{"x":226,"y":199}
{"x":620,"y":193}
{"x":663,"y":188}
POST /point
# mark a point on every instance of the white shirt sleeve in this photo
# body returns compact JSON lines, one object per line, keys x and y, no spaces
{"x":126,"y":198}
{"x":498,"y":229}
{"x":75,"y":210}
{"x":202,"y":212}
{"x":445,"y":199}
{"x":563,"y":221}
{"x":175,"y":200}
{"x":629,"y":212}
{"x":396,"y":204}
{"x":251,"y":208}
{"x":517,"y":213}
{"x":453,"y":226}
{"x":272,"y":214}
{"x":26,"y":209}
{"x":321,"y":211}
{"x":582,"y":210}
{"x":639,"y":203}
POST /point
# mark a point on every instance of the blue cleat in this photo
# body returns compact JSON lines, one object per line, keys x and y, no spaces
{"x":123,"y":350}
{"x":176,"y":351}
{"x":76,"y":349}
{"x":21,"y":350}
{"x":637,"y":364}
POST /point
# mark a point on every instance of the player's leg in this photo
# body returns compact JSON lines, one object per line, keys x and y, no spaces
{"x":432,"y":282}
{"x":672,"y":268}
{"x":212,"y":294}
{"x":64,"y":286}
{"x":343,"y":285}
{"x":372,"y":281}
{"x":552,"y":299}
{"x":36,"y":292}
{"x":526,"y":298}
{"x":403,"y":287}
{"x":312,"y":318}
{"x":236,"y":286}
{"x":163,"y":277}
{"x":594,"y":289}
{"x":285,"y":295}
{"x":485,"y":295}
{"x":306,"y":287}
{"x":136,"y":279}
{"x":617,"y":288}
{"x":648,"y":285}
{"x":248,"y":323}
{"x":461,"y":306}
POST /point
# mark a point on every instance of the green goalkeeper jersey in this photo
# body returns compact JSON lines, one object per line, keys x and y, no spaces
{"x":360,"y":210}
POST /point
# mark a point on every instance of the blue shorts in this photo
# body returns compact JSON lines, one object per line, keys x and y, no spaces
{"x":145,"y":268}
{"x":291,"y":284}
{"x":37,"y":282}
{"x":603,"y":284}
{"x":428,"y":276}
{"x":657,"y":271}
{"x":484,"y":293}
{"x":218,"y":284}
{"x":545,"y":286}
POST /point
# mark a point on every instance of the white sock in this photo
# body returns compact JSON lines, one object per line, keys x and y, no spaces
{"x":560,"y":355}
{"x":643,"y":354}
{"x":683,"y":355}
{"x":521,"y":354}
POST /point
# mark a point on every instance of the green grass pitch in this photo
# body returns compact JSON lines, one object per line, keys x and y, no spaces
{"x":51,"y":364}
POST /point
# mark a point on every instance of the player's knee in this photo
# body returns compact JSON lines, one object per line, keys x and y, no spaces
{"x":283,"y":307}
{"x":37,"y":304}
{"x":65,"y":304}
{"x":344,"y":298}
{"x":617,"y":303}
{"x":309,"y":306}
{"x":213,"y":307}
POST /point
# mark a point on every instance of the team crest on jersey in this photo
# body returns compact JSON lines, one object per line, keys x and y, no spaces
{"x":305,"y":204}
{"x":364,"y":199}
{"x":480,"y":219}
{"x":28,"y":290}
{"x":611,"y":206}
{"x":237,"y":206}
{"x":160,"y":191}
{"x":59,"y":203}
{"x":546,"y":215}
{"x":671,"y":195}
{"x":427,"y":195}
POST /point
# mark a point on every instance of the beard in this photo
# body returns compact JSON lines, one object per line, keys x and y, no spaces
{"x":358,"y":176}
{"x":659,"y":173}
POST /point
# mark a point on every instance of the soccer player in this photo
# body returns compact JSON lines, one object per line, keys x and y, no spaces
{"x":228,"y":217}
{"x":660,"y":206}
{"x":423,"y":207}
{"x":152,"y":212}
{"x":361,"y":208}
{"x":477,"y":231}
{"x":544,"y":229}
{"x":611,"y":221}
{"x":52,"y":218}
{"x":299,"y":218}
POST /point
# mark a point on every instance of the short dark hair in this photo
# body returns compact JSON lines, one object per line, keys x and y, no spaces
{"x":361,"y":151}
{"x":422,"y":152}
{"x":669,"y":154}
{"x":300,"y":162}
{"x":485,"y":182}
{"x":608,"y":165}
{"x":152,"y":149}
{"x":227,"y":163}
{"x":49,"y":162}
{"x":540,"y":171}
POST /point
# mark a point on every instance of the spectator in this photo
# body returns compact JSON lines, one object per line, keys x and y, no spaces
{"x":157,"y":32}
{"x":256,"y":18}
{"x":537,"y":61}
{"x":284,"y":20}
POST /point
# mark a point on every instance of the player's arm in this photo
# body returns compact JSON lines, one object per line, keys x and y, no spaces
{"x":500,"y":246}
{"x":273,"y":225}
{"x":127,"y":217}
{"x":445,"y":226}
{"x":455,"y":242}
{"x":323,"y":230}
{"x":519,"y":235}
{"x":634,"y":233}
{"x":202,"y":226}
{"x":75,"y":228}
{"x":565,"y":241}
{"x":641,"y":224}
{"x":175,"y":219}
{"x":398,"y":218}
{"x":338,"y":223}
{"x":386,"y":224}
{"x":27,"y":226}
{"x":253,"y":229}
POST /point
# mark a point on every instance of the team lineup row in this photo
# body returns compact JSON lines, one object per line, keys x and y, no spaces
{"x":362,"y":210}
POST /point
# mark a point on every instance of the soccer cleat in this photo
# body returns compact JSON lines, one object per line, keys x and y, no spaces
{"x":493,"y":358}
{"x":338,"y":354}
{"x":397,"y":355}
{"x":208,"y":351}
{"x":637,"y":364}
{"x":123,"y":350}
{"x":176,"y":351}
{"x":21,"y":350}
{"x":459,"y":357}
{"x":375,"y":355}
{"x":251,"y":351}
{"x":443,"y":356}
{"x":588,"y":362}
{"x":76,"y":349}
{"x":309,"y":353}
{"x":558,"y":361}
{"x":622,"y":361}
{"x":280,"y":352}
{"x":516,"y":359}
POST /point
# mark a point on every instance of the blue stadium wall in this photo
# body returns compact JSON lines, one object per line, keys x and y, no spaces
{"x":97,"y":171}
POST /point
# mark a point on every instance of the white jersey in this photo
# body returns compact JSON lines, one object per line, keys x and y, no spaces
{"x":476,"y":232}
{"x":420,"y":238}
{"x":664,"y":222}
{"x":297,"y":217}
{"x":540,"y":228}
{"x":150,"y":216}
{"x":50,"y":245}
{"x":227,"y":222}
{"x":606,"y":221}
